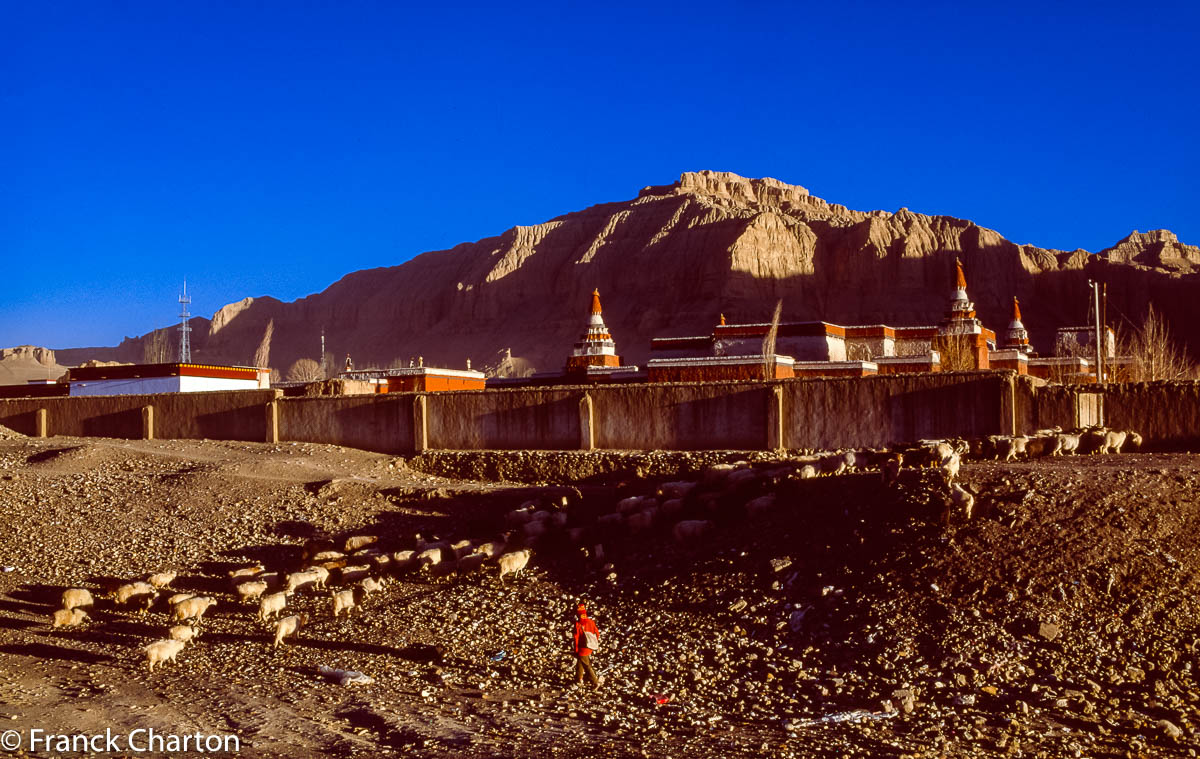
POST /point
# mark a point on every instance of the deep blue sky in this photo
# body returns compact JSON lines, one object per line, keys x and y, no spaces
{"x":268,"y":148}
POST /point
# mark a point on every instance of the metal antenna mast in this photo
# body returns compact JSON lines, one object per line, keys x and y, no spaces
{"x":185,"y":329}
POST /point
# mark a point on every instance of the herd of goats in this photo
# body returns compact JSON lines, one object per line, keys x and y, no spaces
{"x":350,"y":569}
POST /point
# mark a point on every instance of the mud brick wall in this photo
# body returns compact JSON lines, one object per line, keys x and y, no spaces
{"x":223,"y":415}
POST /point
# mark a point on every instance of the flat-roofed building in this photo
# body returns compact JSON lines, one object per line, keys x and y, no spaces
{"x":145,"y":379}
{"x":719,"y":368}
{"x":428,"y":379}
{"x":416,"y":379}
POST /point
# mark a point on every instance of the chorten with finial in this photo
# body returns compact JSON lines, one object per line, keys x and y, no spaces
{"x":596,"y":346}
{"x":960,"y":319}
{"x":1016,"y":338}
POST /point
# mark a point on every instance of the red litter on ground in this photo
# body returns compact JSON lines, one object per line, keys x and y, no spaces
{"x":661,"y":698}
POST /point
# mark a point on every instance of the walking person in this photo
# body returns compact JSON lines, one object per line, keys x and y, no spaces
{"x":587,"y":639}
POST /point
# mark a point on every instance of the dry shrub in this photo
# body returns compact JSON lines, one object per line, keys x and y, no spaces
{"x":957,"y":352}
{"x":305,"y":370}
{"x":1153,"y":352}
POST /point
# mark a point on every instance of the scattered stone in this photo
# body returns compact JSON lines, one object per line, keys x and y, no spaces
{"x":876,"y":637}
{"x":904,"y":697}
{"x":778,"y":565}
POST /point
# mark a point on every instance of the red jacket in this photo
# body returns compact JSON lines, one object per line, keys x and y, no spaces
{"x":581,"y":624}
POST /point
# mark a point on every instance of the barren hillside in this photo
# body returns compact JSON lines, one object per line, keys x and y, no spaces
{"x":23,"y":363}
{"x":669,"y":261}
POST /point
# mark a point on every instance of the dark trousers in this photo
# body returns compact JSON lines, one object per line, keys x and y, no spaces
{"x":584,"y":664}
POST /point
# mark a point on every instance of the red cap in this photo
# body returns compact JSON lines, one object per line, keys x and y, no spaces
{"x":581,"y":610}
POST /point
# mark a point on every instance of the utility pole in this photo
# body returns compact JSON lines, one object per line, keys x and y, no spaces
{"x":1104,"y":319}
{"x":1099,"y":328}
{"x":185,"y":329}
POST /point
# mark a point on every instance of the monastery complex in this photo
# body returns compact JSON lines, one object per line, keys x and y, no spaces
{"x":758,"y":351}
{"x":959,"y":341}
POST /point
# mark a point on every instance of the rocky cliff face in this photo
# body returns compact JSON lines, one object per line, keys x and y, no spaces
{"x":672,"y":259}
{"x":1158,"y":249}
{"x":29,"y":354}
{"x":27,"y":362}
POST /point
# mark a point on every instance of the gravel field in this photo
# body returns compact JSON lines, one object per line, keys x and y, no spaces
{"x":845,"y":618}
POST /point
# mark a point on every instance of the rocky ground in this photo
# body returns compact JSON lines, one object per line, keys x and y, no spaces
{"x":849,"y":620}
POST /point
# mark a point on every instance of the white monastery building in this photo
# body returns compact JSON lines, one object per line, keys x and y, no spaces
{"x":145,"y":379}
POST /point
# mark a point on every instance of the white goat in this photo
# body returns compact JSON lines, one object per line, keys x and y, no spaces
{"x":162,"y":651}
{"x":962,"y":499}
{"x":182,"y":633}
{"x":177,"y":597}
{"x":297,"y":580}
{"x":130,"y":591}
{"x":251,"y":591}
{"x":355,"y":574}
{"x":492,"y":548}
{"x":244,"y":573}
{"x":161,"y":580}
{"x":69,"y":617}
{"x":430,"y":557}
{"x":950,"y":466}
{"x":289,"y":626}
{"x":513,"y":562}
{"x":271,"y":605}
{"x":73,"y":598}
{"x":761,"y":505}
{"x":402,"y":560}
{"x":357,"y":542}
{"x":345,"y":600}
{"x":192,"y":608}
{"x":1114,"y":440}
{"x":691,"y":530}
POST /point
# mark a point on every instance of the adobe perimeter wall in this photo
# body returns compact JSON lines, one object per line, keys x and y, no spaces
{"x":1167,"y":414}
{"x":1056,"y":407}
{"x":220,"y":415}
{"x":818,"y":413}
{"x":539,"y":418}
{"x":815,"y":413}
{"x":875,"y":411}
{"x":382,"y":423}
{"x":684,"y":416}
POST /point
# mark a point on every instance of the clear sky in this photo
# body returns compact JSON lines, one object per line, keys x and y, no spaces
{"x":268,"y":148}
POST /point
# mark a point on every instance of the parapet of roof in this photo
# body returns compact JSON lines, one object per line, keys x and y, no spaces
{"x":141,"y":371}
